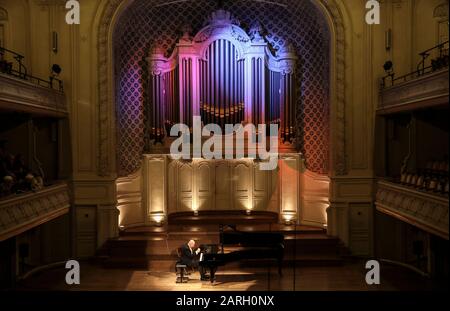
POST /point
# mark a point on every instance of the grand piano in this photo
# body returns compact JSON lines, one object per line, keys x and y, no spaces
{"x":242,"y":246}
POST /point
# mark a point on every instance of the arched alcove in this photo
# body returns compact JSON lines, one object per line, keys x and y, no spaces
{"x":146,"y":24}
{"x":111,"y":24}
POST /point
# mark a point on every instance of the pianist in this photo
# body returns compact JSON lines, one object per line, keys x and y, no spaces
{"x":189,"y":257}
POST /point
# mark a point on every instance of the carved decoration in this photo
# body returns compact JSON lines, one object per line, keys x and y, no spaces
{"x":429,"y":89}
{"x":203,"y":36}
{"x":237,"y":35}
{"x":105,"y":83}
{"x":23,"y":212}
{"x":426,"y":211}
{"x":206,"y":185}
{"x":28,"y":97}
{"x":340,"y":159}
{"x":221,"y":18}
{"x":61,"y":3}
{"x":3,"y":14}
{"x":441,"y":11}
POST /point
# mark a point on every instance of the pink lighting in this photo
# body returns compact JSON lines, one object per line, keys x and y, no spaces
{"x":145,"y":26}
{"x":220,"y":74}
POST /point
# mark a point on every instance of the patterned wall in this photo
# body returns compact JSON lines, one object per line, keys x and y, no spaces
{"x":147,"y":23}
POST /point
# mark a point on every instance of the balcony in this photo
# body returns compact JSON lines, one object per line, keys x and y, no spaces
{"x":23,"y":96}
{"x":424,"y":88}
{"x":19,"y":213}
{"x":423,"y":92}
{"x":425,"y":210}
{"x":21,"y":92}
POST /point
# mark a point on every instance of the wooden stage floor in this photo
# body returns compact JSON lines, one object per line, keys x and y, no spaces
{"x":350,"y":276}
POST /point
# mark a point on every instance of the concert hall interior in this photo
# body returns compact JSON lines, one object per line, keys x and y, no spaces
{"x":302,"y":144}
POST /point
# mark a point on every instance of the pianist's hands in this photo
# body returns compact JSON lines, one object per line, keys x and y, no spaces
{"x":197,"y":251}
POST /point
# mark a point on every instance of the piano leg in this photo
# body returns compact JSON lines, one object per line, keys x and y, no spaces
{"x":212,"y":274}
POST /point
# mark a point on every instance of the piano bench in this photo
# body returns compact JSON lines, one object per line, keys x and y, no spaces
{"x":181,"y":273}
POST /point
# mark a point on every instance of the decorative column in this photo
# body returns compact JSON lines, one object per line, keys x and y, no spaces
{"x":189,"y":83}
{"x":154,"y":189}
{"x":290,"y":169}
{"x":255,"y":99}
{"x":157,"y":62}
{"x":286,"y":65}
{"x":107,"y":223}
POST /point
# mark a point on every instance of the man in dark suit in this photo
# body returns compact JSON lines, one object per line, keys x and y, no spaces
{"x":189,"y":257}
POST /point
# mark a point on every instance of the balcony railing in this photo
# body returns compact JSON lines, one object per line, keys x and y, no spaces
{"x":19,"y":213}
{"x":425,"y":210}
{"x":11,"y":63}
{"x":425,"y":66}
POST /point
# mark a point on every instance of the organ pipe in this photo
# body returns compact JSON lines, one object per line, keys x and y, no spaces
{"x":228,"y":79}
{"x":221,"y":99}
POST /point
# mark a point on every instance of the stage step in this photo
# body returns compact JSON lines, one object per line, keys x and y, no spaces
{"x":167,"y":244}
{"x":223,"y":217}
{"x":153,"y":247}
{"x":159,"y":264}
{"x":214,"y":229}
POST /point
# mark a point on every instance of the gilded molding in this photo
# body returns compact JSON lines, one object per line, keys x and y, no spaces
{"x":426,"y":211}
{"x":339,"y":164}
{"x":104,"y":85}
{"x":23,"y":212}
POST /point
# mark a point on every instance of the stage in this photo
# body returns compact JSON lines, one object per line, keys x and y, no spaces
{"x":349,"y":276}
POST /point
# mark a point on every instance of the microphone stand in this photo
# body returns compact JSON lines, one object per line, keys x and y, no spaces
{"x":268,"y":267}
{"x":295,"y":253}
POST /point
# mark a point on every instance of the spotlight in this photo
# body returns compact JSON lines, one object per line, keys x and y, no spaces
{"x":289,"y":218}
{"x":56,"y":70}
{"x":388,"y":67}
{"x":158,"y":218}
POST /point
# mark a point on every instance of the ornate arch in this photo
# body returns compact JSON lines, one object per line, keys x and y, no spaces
{"x":105,"y":85}
{"x":338,"y":97}
{"x":3,"y":14}
{"x":106,"y":118}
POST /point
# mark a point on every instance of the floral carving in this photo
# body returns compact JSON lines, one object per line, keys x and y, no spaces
{"x":19,"y":211}
{"x":425,"y":210}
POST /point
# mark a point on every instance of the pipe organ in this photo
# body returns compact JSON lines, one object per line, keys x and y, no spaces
{"x":222,"y":84}
{"x":226,"y":76}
